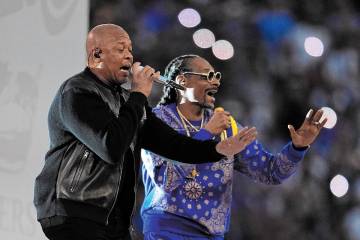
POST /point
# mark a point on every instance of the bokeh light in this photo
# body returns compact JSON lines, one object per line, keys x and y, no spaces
{"x":189,"y":17}
{"x":204,"y":38}
{"x":339,"y":185}
{"x":331,"y":116}
{"x":223,"y":49}
{"x":314,"y":46}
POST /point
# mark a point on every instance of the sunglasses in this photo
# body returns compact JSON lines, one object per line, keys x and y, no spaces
{"x":209,"y":76}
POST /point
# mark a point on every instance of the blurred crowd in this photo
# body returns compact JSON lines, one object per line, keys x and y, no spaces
{"x":271,"y":81}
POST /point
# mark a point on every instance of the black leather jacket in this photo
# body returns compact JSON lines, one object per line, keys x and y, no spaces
{"x":92,"y":135}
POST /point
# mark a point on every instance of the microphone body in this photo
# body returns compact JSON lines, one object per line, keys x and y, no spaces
{"x":232,"y":130}
{"x":168,"y":83}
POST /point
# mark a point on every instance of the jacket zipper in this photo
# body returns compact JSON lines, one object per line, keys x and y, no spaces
{"x":78,"y":172}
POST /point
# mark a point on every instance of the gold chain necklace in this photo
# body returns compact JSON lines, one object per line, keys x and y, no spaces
{"x":187,"y":123}
{"x":183,"y":119}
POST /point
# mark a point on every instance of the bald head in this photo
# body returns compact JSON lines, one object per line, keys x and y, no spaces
{"x":101,"y":35}
{"x":109,"y":53}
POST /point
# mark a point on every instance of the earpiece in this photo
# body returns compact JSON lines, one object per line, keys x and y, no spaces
{"x":97,"y":52}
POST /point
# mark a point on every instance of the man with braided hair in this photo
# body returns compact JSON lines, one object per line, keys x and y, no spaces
{"x":192,"y":201}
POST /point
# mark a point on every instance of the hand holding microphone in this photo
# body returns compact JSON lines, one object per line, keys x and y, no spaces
{"x":219,"y":122}
{"x":233,"y":140}
{"x":143,"y":78}
{"x":157,"y":77}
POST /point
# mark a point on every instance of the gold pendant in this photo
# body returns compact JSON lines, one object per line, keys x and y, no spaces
{"x":194,"y":173}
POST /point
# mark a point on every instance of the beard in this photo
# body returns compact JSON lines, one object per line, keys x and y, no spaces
{"x":205,"y":105}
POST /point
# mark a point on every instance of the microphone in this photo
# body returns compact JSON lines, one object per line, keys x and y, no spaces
{"x":167,"y":82}
{"x":232,"y":130}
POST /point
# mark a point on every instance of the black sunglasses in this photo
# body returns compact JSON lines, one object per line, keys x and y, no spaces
{"x":209,"y":76}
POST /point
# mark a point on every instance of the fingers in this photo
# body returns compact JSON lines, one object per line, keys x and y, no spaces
{"x":225,"y":115}
{"x":292,"y":131}
{"x":136,"y":64}
{"x":142,"y":80}
{"x":309,"y":115}
{"x":148,"y":71}
{"x":313,"y":118}
{"x":250,"y":132}
{"x":156,"y":75}
{"x":323,"y":123}
{"x":222,"y":113}
{"x":249,"y":137}
{"x":237,"y":143}
{"x":317,"y":116}
{"x":241,"y":133}
{"x":224,"y":118}
{"x":136,"y":67}
{"x":228,"y":121}
{"x":245,"y":131}
{"x":218,"y":122}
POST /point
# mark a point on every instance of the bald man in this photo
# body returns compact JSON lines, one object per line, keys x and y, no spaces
{"x":86,"y":189}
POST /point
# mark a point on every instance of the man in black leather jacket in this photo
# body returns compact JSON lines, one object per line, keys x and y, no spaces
{"x":86,"y":189}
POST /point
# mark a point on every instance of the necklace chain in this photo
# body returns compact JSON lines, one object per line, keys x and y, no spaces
{"x":194,"y":173}
{"x":187,"y":123}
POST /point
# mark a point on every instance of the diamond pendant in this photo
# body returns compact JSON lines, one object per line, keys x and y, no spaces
{"x":193,"y":189}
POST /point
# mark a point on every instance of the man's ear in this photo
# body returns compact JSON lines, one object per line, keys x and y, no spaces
{"x":180,"y":79}
{"x":95,"y":59}
{"x":96,"y":55}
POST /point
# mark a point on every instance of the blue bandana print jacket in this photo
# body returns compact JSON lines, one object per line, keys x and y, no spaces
{"x":205,"y":200}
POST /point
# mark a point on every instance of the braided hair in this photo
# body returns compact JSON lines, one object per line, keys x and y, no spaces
{"x":173,"y":69}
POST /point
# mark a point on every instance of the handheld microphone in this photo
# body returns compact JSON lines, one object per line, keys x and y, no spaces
{"x":167,"y":82}
{"x":232,"y":130}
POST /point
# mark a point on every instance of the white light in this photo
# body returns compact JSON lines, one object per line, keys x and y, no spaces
{"x":314,"y":46}
{"x":204,"y":38}
{"x":189,"y":17}
{"x":339,"y":185}
{"x":223,"y":49}
{"x":331,"y":117}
